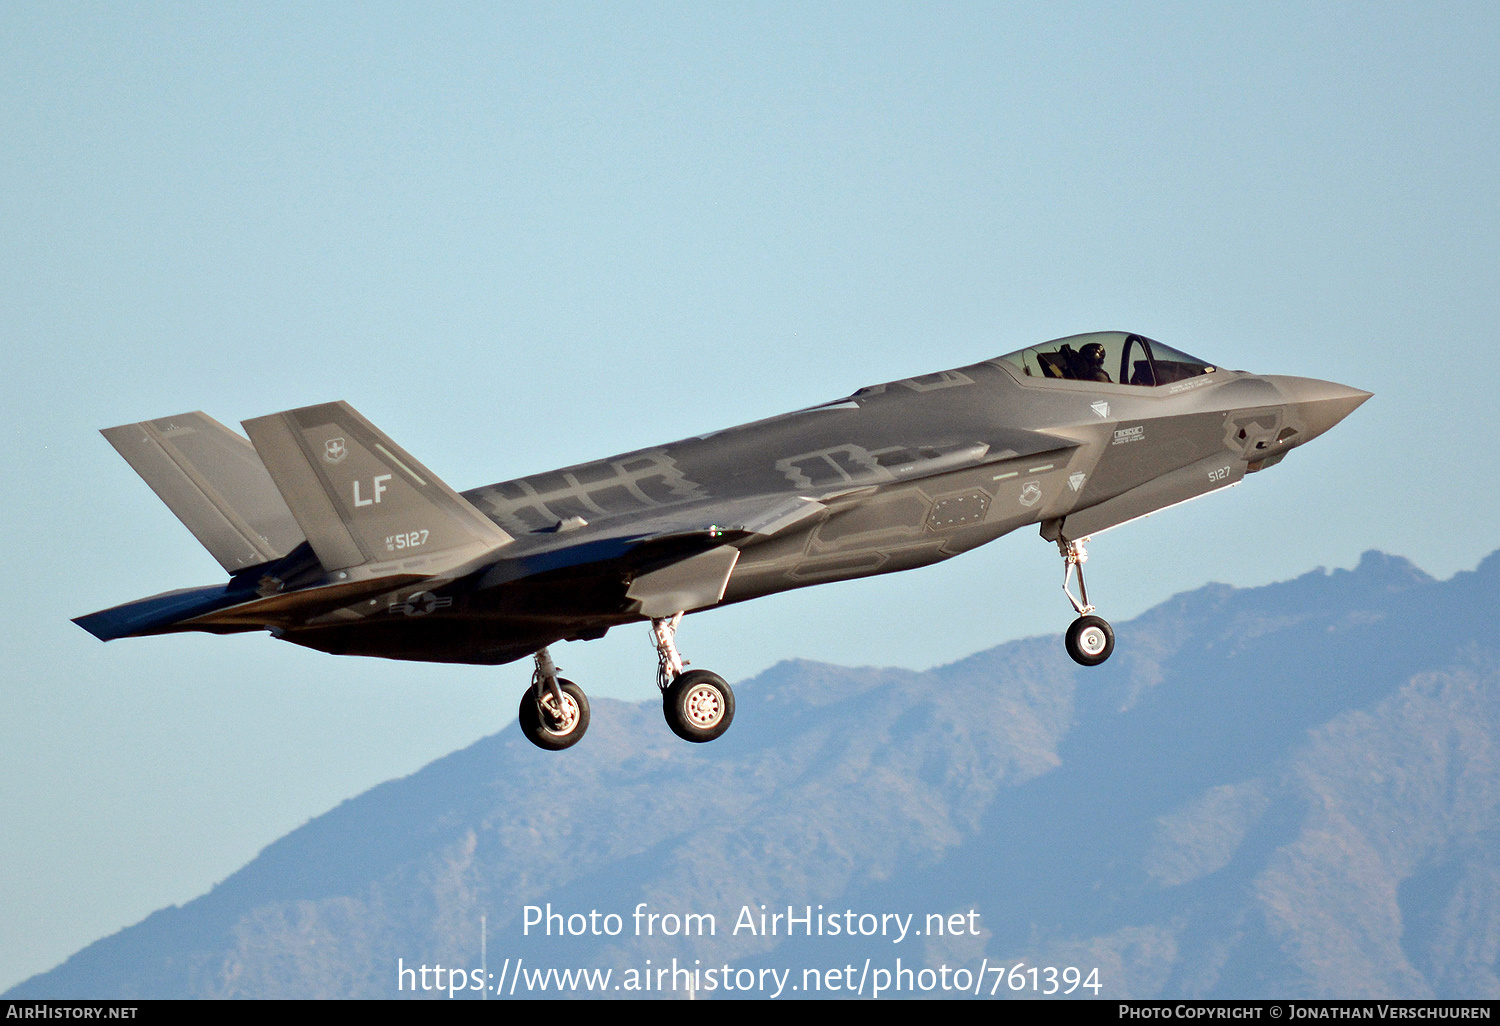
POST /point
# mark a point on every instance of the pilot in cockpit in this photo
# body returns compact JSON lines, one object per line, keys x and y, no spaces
{"x":1093,"y":363}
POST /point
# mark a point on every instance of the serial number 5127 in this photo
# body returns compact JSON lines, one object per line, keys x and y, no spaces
{"x":409,"y":540}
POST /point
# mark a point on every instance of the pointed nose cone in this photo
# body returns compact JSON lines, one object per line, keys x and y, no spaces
{"x":1319,"y":404}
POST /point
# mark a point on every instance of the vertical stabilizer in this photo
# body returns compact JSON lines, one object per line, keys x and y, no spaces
{"x":362,"y":500}
{"x":215,"y":483}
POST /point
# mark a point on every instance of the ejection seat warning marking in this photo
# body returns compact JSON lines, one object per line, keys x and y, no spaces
{"x":1031,"y":493}
{"x":1183,"y":386}
{"x":1101,"y":408}
{"x":1075,"y":480}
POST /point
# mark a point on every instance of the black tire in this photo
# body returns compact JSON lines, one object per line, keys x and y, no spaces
{"x":699,"y":706}
{"x":540,"y":731}
{"x":1090,"y":640}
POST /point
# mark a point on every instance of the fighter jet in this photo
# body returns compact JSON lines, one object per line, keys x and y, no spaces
{"x":338,"y":539}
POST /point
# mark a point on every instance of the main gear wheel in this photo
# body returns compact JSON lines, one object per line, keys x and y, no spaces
{"x":699,"y":705}
{"x":550,"y":725}
{"x":1090,"y":640}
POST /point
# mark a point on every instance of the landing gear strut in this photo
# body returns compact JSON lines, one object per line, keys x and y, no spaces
{"x":554,"y":711}
{"x":1090,"y":639}
{"x":698,"y":705}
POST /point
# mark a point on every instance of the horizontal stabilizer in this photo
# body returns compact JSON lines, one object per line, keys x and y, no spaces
{"x":212,"y":479}
{"x":231,"y":608}
{"x":296,"y":608}
{"x":362,"y":500}
{"x":150,"y":615}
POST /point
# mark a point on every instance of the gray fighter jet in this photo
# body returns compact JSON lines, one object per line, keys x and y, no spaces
{"x":338,"y":539}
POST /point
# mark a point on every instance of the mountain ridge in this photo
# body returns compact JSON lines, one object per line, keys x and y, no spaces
{"x":1197,"y":817}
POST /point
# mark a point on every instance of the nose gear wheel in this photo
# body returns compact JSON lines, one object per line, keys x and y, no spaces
{"x":1090,"y":639}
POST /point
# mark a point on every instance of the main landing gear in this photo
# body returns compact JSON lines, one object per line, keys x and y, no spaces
{"x":554,"y":710}
{"x":1090,"y":639}
{"x":698,"y":705}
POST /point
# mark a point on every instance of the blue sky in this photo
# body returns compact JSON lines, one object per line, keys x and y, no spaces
{"x":520,"y":237}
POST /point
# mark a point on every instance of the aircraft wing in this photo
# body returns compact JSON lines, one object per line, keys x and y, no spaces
{"x":677,"y":560}
{"x":715,"y":521}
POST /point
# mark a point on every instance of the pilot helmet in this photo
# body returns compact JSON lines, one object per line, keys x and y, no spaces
{"x":1093,"y":354}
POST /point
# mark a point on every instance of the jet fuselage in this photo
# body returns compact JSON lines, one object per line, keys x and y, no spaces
{"x":911,"y":472}
{"x":339,"y":540}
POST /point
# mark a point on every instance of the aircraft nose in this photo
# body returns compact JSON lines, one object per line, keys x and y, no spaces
{"x":1320,"y":404}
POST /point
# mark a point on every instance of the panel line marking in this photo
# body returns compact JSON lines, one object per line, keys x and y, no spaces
{"x":387,"y":454}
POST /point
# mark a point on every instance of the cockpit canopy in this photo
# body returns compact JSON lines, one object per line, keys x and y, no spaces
{"x":1110,"y":357}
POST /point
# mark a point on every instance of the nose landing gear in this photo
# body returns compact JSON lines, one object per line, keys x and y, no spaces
{"x":698,"y":705}
{"x":1090,"y":639}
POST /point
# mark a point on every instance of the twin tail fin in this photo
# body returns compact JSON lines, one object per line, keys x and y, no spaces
{"x":321,"y":474}
{"x":366,"y":505}
{"x":216,"y":484}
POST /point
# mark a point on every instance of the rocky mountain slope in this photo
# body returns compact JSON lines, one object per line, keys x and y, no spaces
{"x":1291,"y":790}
